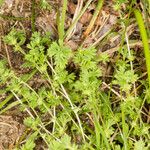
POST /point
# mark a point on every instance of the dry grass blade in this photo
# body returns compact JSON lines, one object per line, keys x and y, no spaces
{"x":92,"y":22}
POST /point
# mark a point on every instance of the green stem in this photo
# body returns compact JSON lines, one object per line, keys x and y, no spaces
{"x":99,"y":131}
{"x":144,"y":40}
{"x":61,"y":20}
{"x":124,"y":129}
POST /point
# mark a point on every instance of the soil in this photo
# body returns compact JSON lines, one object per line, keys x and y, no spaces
{"x":10,"y":131}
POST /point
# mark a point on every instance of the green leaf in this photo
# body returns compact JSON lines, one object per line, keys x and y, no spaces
{"x":60,"y":53}
{"x":140,"y":145}
{"x":124,"y":77}
{"x":45,"y":5}
{"x":30,"y":145}
{"x":15,"y":37}
{"x":63,"y":145}
{"x":32,"y":123}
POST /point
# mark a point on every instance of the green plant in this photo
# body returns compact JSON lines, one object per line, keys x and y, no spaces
{"x":118,"y":4}
{"x":30,"y":145}
{"x":66,"y":96}
{"x":45,"y":5}
{"x":144,"y":40}
{"x":72,"y":105}
{"x":61,"y":20}
{"x":1,"y":2}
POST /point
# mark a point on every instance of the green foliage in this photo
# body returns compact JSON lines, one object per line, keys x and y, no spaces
{"x":30,"y":145}
{"x":66,"y":105}
{"x":118,"y":4}
{"x":65,"y":143}
{"x":1,"y":2}
{"x":15,"y":38}
{"x":67,"y":102}
{"x":103,"y":57}
{"x":45,"y":5}
{"x":140,"y":145}
{"x":124,"y":77}
{"x":30,"y":122}
{"x":60,"y":53}
{"x":89,"y":71}
{"x":5,"y":73}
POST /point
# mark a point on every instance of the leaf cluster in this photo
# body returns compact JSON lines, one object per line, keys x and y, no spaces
{"x":69,"y":110}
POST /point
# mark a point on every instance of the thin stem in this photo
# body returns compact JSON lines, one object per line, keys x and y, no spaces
{"x":61,"y":20}
{"x":124,"y":128}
